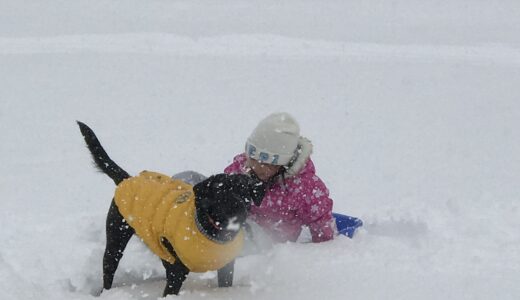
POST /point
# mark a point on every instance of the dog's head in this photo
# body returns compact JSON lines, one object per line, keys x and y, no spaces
{"x":223,"y":201}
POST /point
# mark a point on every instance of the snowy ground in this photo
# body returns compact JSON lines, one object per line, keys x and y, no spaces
{"x":413,"y":108}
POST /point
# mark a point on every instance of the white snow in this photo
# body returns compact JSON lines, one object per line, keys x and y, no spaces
{"x":233,"y":224}
{"x":412,"y":106}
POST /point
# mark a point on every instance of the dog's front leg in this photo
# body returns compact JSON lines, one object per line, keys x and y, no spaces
{"x":176,"y":273}
{"x":225,"y":275}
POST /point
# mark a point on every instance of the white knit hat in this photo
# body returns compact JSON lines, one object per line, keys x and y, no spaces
{"x":274,"y":140}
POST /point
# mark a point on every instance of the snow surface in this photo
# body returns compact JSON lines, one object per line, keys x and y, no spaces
{"x":413,"y":108}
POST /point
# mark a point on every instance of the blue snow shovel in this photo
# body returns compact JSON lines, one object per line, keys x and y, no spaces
{"x":347,"y":225}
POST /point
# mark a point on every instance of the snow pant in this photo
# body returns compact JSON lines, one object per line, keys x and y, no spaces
{"x":190,"y":177}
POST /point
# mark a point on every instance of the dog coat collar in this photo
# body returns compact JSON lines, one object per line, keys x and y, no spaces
{"x":206,"y":234}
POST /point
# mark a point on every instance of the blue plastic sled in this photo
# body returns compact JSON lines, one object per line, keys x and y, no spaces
{"x":347,"y":225}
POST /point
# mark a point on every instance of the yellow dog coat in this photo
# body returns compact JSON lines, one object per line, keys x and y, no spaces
{"x":157,"y":206}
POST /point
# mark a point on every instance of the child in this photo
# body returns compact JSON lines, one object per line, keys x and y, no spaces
{"x":295,"y":197}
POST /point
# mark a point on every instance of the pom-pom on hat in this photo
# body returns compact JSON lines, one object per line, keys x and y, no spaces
{"x":274,"y":140}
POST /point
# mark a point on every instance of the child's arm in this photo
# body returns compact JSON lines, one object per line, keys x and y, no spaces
{"x":316,"y":209}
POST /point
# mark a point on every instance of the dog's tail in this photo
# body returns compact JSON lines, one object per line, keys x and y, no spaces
{"x":101,"y":158}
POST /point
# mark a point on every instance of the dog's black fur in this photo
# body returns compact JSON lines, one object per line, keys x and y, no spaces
{"x":220,"y":199}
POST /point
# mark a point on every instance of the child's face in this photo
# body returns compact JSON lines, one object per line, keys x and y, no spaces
{"x":262,"y":170}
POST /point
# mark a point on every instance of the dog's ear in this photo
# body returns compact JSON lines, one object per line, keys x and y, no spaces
{"x":257,"y":191}
{"x":202,"y":192}
{"x":257,"y":188}
{"x":252,"y":188}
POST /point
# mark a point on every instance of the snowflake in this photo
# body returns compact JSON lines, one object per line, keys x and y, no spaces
{"x":318,"y":193}
{"x":314,"y":209}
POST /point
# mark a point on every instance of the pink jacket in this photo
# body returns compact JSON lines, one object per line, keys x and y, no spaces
{"x":302,"y":200}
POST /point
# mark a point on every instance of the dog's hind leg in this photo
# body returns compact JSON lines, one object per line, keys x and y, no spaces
{"x":118,"y":235}
{"x":176,"y":273}
{"x":225,"y":275}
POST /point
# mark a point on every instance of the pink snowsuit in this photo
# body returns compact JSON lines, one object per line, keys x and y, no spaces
{"x":302,"y":199}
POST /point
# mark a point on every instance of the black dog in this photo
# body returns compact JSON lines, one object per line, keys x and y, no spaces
{"x":221,"y":204}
